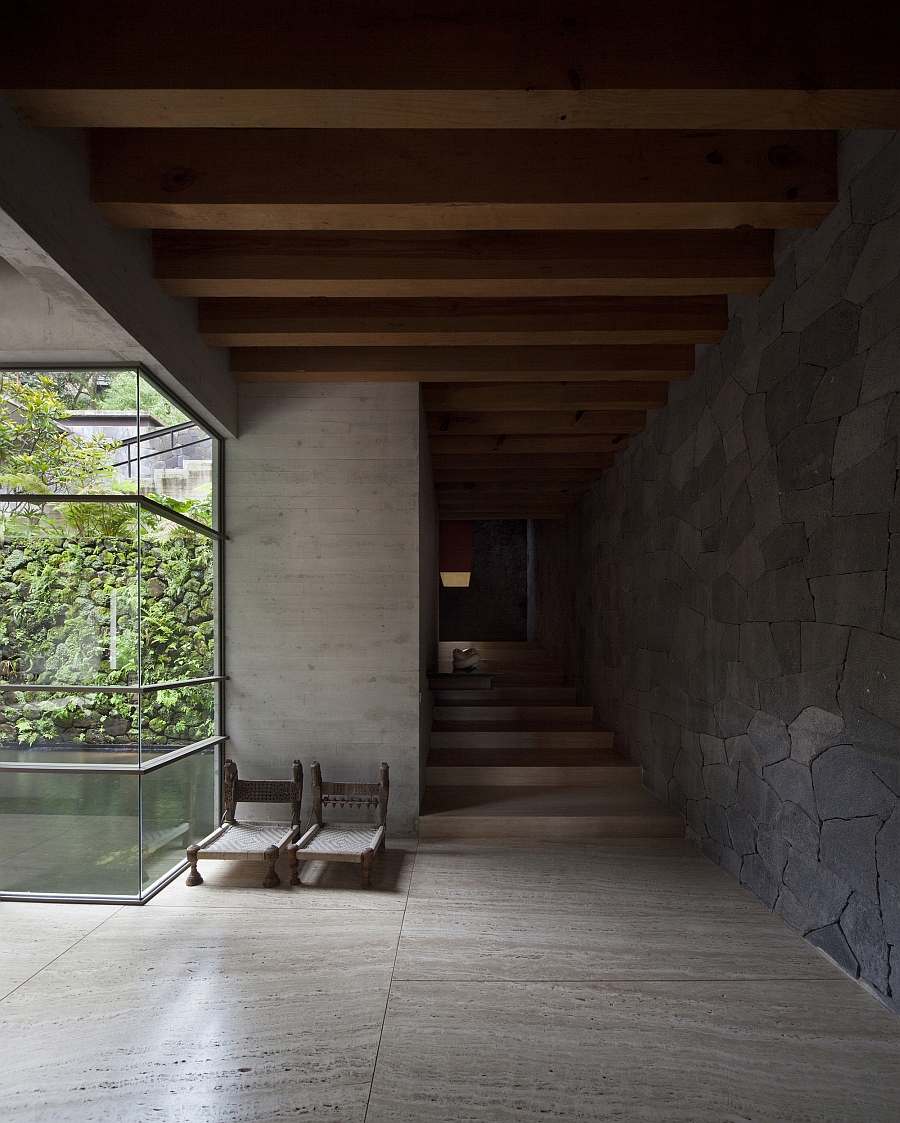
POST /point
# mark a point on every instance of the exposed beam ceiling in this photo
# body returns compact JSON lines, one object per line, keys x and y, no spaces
{"x":504,"y":263}
{"x":476,"y":179}
{"x":434,"y":322}
{"x":546,"y":363}
{"x":684,"y":64}
{"x":536,"y":210}
{"x":545,"y":395}
{"x":560,"y":110}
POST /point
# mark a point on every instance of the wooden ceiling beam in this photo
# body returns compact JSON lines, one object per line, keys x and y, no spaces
{"x":464,"y":322}
{"x":497,"y":512}
{"x":502,"y":445}
{"x":460,"y":490}
{"x":476,"y":179}
{"x":462,"y":364}
{"x":513,"y":48}
{"x":562,"y":110}
{"x":545,"y":395}
{"x":456,"y":469}
{"x":570,"y":423}
{"x":444,"y":263}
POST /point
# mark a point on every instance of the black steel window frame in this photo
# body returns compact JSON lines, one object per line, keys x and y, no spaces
{"x":217,"y":534}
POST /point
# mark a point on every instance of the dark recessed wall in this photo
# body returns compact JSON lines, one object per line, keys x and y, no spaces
{"x":495,"y":605}
{"x":728,"y":595}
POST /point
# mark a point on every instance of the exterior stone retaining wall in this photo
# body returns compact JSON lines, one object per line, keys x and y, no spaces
{"x":728,"y":596}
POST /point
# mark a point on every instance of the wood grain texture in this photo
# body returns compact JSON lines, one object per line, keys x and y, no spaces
{"x":447,"y":263}
{"x":459,"y":109}
{"x":501,"y":446}
{"x":462,"y":179}
{"x":454,"y":469}
{"x":545,"y":396}
{"x":462,"y":322}
{"x":570,"y":422}
{"x":396,"y":45}
{"x":462,"y":364}
{"x":476,"y":487}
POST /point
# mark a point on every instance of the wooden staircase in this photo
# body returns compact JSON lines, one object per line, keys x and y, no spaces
{"x":523,"y":760}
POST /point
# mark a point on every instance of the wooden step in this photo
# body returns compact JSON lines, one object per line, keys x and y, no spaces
{"x":521,"y":739}
{"x":540,"y":714}
{"x":510,"y":696}
{"x":560,"y":813}
{"x":523,"y":679}
{"x":554,"y":775}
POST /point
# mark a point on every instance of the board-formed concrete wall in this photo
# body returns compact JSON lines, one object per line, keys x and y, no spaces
{"x":322,"y":578}
{"x":728,"y":596}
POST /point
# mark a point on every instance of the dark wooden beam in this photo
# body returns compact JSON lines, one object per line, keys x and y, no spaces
{"x":462,"y":364}
{"x":501,"y":446}
{"x":503,"y":263}
{"x":478,"y":179}
{"x":544,"y":396}
{"x":463,"y":322}
{"x":570,"y":423}
{"x":460,"y":491}
{"x":498,"y":512}
{"x":459,"y":469}
{"x":681,"y":63}
{"x":560,"y":110}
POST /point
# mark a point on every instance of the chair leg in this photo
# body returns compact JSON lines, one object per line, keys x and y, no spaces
{"x":295,"y":866}
{"x":367,"y":859}
{"x":272,"y":879}
{"x":193,"y":877}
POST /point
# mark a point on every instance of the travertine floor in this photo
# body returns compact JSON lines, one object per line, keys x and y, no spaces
{"x":626,"y":980}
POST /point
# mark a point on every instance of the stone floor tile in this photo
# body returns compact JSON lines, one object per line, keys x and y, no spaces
{"x":735,"y":1052}
{"x":571,"y":939}
{"x":33,"y":935}
{"x":202,"y":1015}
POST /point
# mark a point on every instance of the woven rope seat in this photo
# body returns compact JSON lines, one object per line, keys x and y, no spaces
{"x":243,"y":839}
{"x":342,"y":841}
{"x":248,"y":839}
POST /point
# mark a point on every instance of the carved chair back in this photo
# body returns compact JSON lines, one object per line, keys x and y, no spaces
{"x":349,"y":795}
{"x":262,"y":791}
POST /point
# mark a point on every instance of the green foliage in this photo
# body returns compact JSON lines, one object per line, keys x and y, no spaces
{"x":67,"y":568}
{"x":122,"y":394}
{"x":55,"y":610}
{"x":38,"y":455}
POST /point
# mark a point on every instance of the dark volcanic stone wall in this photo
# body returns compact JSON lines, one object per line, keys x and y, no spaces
{"x":728,"y":596}
{"x":495,"y":605}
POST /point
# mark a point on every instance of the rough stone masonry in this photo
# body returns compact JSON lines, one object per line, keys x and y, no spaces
{"x":728,"y":595}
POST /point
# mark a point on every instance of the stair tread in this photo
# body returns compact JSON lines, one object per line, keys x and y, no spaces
{"x":527,"y":758}
{"x":513,"y":696}
{"x":541,"y":714}
{"x":514,"y":802}
{"x":486,"y":726}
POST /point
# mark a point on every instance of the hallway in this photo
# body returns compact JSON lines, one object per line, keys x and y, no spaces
{"x":485,"y":980}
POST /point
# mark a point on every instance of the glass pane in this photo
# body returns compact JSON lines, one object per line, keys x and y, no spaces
{"x":68,"y":431}
{"x":178,"y":457}
{"x":81,"y":728}
{"x":69,"y":833}
{"x":176,"y":716}
{"x":178,"y":639}
{"x":68,"y":593}
{"x":178,"y":807}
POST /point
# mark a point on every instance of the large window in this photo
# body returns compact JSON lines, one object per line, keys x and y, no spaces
{"x":110,"y":664}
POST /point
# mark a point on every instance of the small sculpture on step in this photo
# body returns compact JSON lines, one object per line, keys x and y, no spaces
{"x":466,"y":658}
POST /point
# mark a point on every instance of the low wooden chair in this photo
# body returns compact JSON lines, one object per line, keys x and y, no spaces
{"x":346,"y":841}
{"x":241,"y":840}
